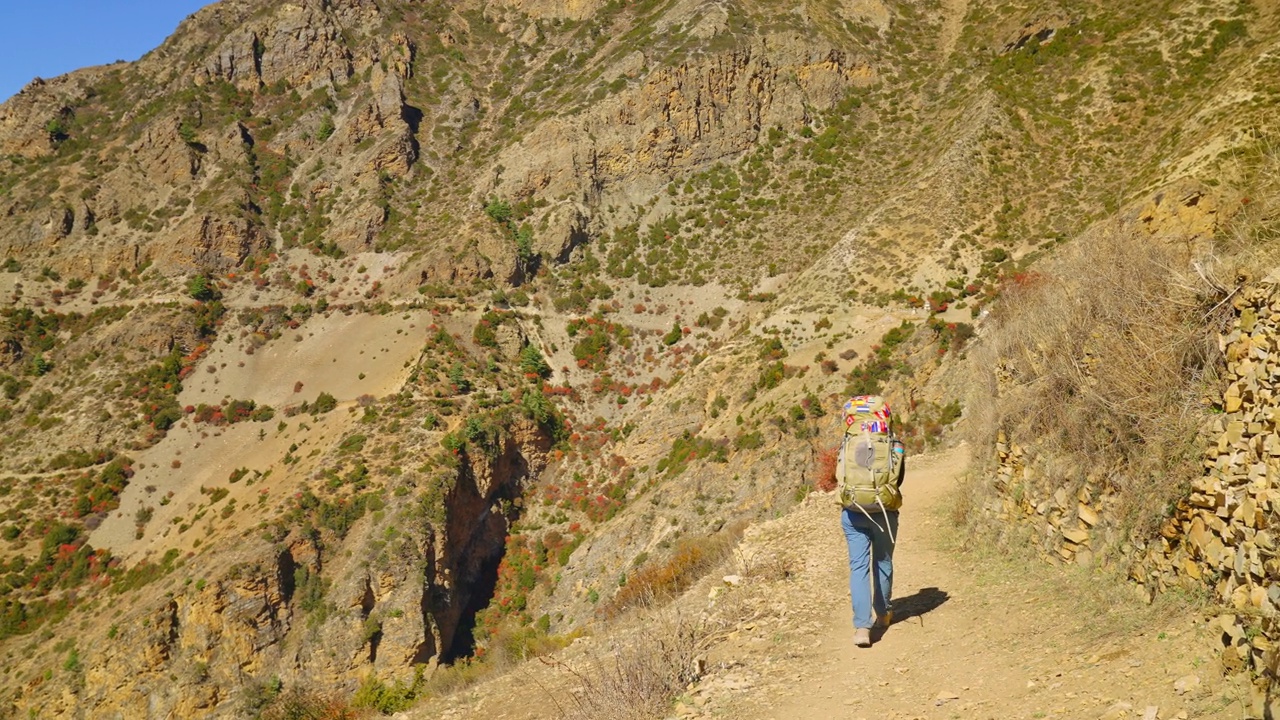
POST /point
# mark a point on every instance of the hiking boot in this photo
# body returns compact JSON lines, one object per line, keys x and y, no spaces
{"x":862,"y":637}
{"x":885,"y":620}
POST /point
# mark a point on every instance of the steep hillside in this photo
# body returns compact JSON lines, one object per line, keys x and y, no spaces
{"x":343,"y":338}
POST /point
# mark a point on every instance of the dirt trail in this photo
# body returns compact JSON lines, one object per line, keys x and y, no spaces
{"x":952,"y":25}
{"x":1001,"y":639}
{"x":969,"y":642}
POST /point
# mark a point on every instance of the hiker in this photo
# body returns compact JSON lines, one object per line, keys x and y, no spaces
{"x":869,"y":470}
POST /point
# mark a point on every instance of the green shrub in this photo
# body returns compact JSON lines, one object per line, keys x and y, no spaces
{"x":201,"y":287}
{"x":390,"y":698}
{"x":325,"y":131}
{"x":772,"y":349}
{"x":458,"y":376}
{"x":687,"y":448}
{"x":352,"y":444}
{"x":324,"y":403}
{"x":748,"y":440}
{"x":499,"y":211}
{"x":40,"y":365}
{"x":72,"y":663}
{"x":771,"y":375}
{"x":673,"y":336}
{"x":869,"y":377}
{"x":483,"y":335}
{"x":532,"y":362}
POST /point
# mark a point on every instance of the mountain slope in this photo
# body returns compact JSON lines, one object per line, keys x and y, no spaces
{"x":346,"y":337}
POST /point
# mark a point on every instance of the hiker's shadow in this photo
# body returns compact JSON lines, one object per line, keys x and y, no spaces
{"x":923,"y":601}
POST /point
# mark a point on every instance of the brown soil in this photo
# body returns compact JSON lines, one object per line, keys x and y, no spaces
{"x":346,"y":356}
{"x":343,"y":355}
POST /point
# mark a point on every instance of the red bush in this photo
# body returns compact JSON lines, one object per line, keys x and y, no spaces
{"x":824,"y":472}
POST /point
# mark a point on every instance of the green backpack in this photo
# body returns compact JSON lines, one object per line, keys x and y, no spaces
{"x":872,"y":460}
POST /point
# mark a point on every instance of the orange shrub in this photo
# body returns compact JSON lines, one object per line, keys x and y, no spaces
{"x":824,"y":471}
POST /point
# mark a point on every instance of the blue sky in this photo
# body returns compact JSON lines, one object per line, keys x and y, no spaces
{"x":47,"y":38}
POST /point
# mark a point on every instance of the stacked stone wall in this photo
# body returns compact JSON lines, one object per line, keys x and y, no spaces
{"x":1223,"y":536}
{"x":1067,"y":516}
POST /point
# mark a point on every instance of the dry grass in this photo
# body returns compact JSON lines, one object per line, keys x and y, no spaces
{"x":637,"y":678}
{"x":665,"y":578}
{"x":298,"y":704}
{"x":769,"y":566}
{"x":1100,"y":364}
{"x":511,"y":646}
{"x":465,"y":673}
{"x":1252,"y":233}
{"x":1116,"y":607}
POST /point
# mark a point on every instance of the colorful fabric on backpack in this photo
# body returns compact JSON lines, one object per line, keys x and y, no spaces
{"x":869,"y":468}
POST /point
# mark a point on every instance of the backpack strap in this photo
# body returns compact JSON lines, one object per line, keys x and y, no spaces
{"x":888,"y":526}
{"x":873,"y":520}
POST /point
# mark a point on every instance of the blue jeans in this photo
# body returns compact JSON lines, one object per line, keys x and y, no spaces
{"x":866,"y":540}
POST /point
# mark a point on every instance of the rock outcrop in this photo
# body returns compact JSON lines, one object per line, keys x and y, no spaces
{"x":196,"y":652}
{"x":677,"y":119}
{"x":195,"y":153}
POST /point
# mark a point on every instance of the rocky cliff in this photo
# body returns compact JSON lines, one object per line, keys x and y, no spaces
{"x":259,"y":127}
{"x":261,"y":614}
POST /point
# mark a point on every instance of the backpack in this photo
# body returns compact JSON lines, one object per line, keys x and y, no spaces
{"x":872,"y":461}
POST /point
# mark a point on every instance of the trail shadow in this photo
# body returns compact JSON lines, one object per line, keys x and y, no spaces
{"x":924,"y":601}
